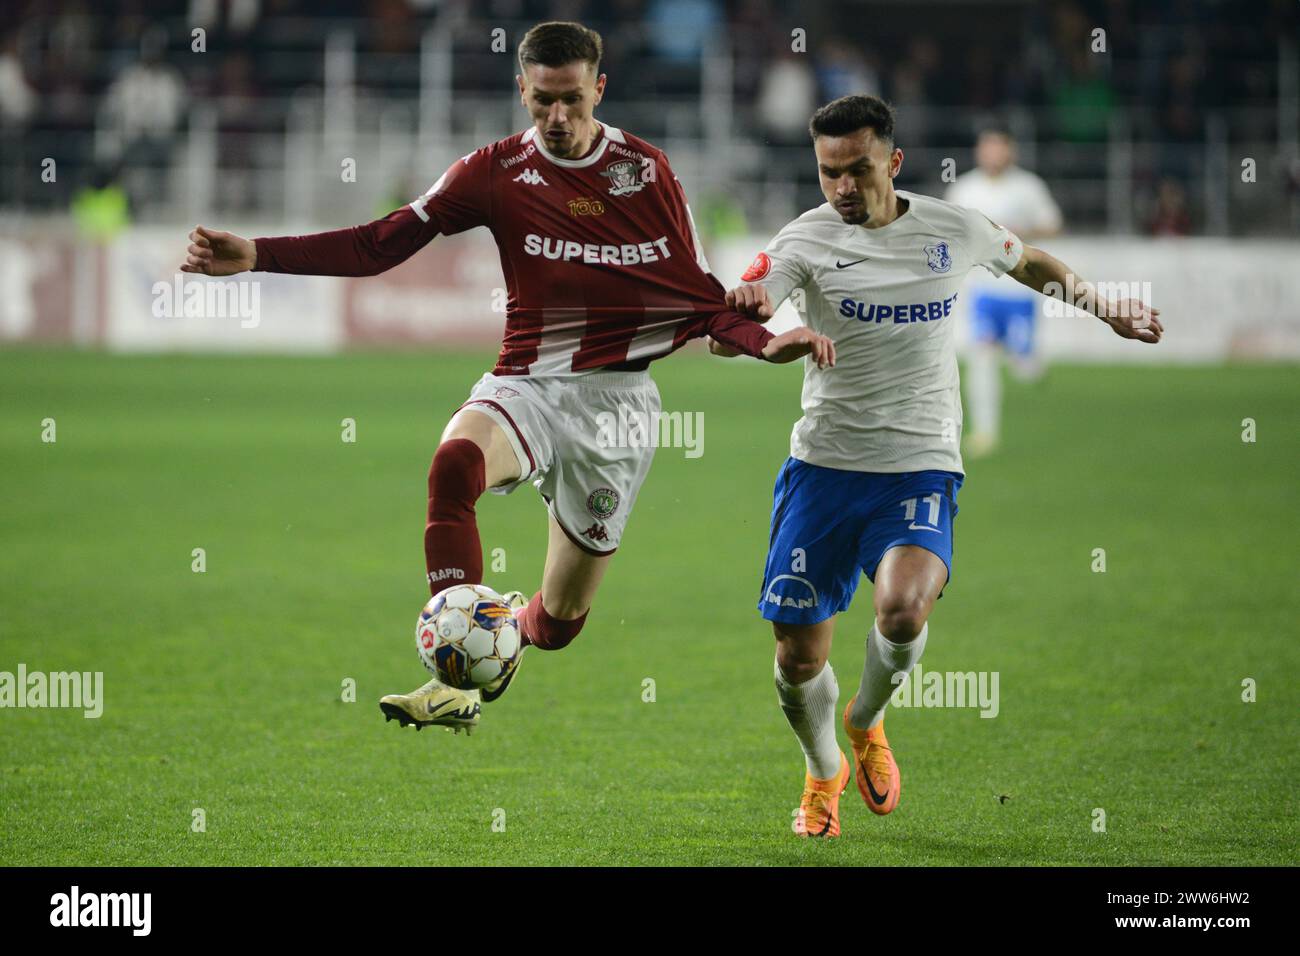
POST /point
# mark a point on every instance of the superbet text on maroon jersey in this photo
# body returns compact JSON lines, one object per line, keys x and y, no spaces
{"x":602,"y":264}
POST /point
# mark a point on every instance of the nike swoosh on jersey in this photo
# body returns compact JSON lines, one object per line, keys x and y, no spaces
{"x":845,"y":265}
{"x":921,"y":527}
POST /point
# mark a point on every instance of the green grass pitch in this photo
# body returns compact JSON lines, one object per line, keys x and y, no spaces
{"x":223,"y":690}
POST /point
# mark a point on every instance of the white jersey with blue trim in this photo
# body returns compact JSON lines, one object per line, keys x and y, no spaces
{"x":892,"y":403}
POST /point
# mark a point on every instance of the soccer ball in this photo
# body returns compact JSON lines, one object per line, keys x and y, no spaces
{"x":466,"y":636}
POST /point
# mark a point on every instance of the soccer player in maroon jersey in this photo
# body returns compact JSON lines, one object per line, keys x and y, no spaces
{"x":605,"y":273}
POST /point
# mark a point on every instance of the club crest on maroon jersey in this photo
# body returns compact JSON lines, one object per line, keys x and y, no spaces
{"x":624,"y":178}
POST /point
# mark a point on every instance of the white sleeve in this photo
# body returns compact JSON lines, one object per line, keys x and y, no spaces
{"x":990,"y":245}
{"x":780,"y":268}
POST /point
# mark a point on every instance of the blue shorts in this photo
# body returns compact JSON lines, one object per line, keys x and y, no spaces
{"x":1007,"y":320}
{"x":828,"y":525}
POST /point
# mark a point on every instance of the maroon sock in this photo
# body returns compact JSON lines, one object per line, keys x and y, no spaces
{"x":452,"y":552}
{"x":546,"y":632}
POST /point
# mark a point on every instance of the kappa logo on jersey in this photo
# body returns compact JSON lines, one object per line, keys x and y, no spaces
{"x":505,"y":391}
{"x":596,"y":533}
{"x":1008,"y":246}
{"x":937,"y":257}
{"x":532,"y":177}
{"x":624,"y":178}
{"x":760,"y":267}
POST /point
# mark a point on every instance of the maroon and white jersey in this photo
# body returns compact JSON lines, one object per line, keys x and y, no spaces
{"x":602,"y":264}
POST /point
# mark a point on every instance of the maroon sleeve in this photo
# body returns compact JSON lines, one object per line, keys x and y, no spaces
{"x":459,"y":200}
{"x":738,"y":332}
{"x":359,"y":251}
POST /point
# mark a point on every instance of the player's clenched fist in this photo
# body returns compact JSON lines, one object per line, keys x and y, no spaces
{"x":215,"y":253}
{"x":797,"y":343}
{"x":1132,"y":319}
{"x":752,"y":300}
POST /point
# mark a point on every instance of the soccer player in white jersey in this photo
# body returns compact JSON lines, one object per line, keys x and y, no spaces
{"x":874,"y":469}
{"x":1002,"y":311}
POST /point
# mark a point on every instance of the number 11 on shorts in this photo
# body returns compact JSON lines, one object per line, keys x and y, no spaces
{"x":909,"y":513}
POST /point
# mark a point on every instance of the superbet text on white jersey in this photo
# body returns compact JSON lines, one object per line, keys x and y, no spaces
{"x":892,"y":403}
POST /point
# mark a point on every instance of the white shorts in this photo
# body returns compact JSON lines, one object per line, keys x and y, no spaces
{"x":566,"y":434}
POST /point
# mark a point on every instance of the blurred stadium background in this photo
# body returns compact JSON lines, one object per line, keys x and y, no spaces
{"x":123,"y":123}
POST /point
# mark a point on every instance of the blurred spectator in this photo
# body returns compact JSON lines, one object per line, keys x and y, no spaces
{"x":681,"y":31}
{"x":101,"y":209}
{"x":144,"y":105}
{"x":787,"y":96}
{"x":17,"y":96}
{"x":1082,"y":100}
{"x":141,"y":112}
{"x":1170,"y":217}
{"x":843,"y":70}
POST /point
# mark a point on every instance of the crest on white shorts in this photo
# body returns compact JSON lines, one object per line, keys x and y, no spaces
{"x":602,"y":502}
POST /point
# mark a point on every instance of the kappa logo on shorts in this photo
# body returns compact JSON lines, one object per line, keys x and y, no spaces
{"x":787,"y":600}
{"x":596,"y":533}
{"x":602,"y":503}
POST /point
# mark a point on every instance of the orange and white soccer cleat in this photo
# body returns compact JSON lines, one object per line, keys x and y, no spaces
{"x":879,"y":780}
{"x":819,"y":810}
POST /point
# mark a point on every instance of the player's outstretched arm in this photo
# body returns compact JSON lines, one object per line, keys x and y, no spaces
{"x":1129,"y":318}
{"x":215,"y":253}
{"x":364,"y":250}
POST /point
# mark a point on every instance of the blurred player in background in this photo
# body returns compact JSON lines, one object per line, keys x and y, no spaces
{"x":874,"y":469}
{"x":604,"y":273}
{"x":1002,"y":312}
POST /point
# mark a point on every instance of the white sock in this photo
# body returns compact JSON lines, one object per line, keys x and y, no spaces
{"x":984,"y":388}
{"x":884,"y":660}
{"x":810,"y":709}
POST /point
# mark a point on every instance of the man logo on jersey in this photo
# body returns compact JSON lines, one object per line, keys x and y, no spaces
{"x":937,"y":257}
{"x":624,"y":178}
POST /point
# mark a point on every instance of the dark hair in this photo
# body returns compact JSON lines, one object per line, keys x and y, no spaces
{"x":559,"y":43}
{"x":849,"y":114}
{"x":996,"y":128}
